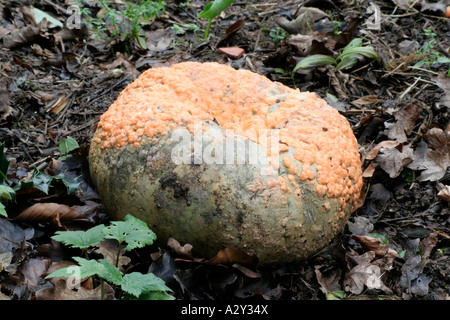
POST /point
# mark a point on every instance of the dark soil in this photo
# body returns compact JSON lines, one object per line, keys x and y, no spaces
{"x":55,"y":85}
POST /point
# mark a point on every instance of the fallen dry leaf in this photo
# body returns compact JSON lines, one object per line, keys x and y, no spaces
{"x":302,"y":24}
{"x":109,"y":249}
{"x":21,"y":37}
{"x":387,"y":144}
{"x":184,"y":251}
{"x":435,"y":161}
{"x":369,"y":171}
{"x":231,"y":255}
{"x":13,"y":236}
{"x":54,"y":213}
{"x":393,"y":160}
{"x":360,"y":226}
{"x":32,"y":270}
{"x":374,"y":244}
{"x":315,"y":43}
{"x":366,"y":100}
{"x":402,"y":127}
{"x":443,"y":82}
{"x":329,"y":279}
{"x":62,"y":292}
{"x":436,"y":7}
{"x":403,"y":4}
{"x":444,"y":192}
{"x":5,"y":260}
{"x":5,"y":108}
{"x":368,"y":272}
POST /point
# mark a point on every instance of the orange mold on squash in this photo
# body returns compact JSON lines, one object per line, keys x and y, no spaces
{"x":318,"y":152}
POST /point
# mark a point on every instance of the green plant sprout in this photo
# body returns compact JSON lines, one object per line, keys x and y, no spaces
{"x":38,"y":180}
{"x":66,"y":145}
{"x":349,"y":56}
{"x":125,"y":24}
{"x":336,"y":25}
{"x":277,"y":34}
{"x":427,"y":52}
{"x":180,"y":30}
{"x":6,"y":193}
{"x":212,"y":10}
{"x":132,"y":232}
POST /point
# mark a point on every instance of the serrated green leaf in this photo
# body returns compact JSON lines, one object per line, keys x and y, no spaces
{"x":87,"y":268}
{"x":133,"y":231}
{"x":110,"y":273}
{"x":213,"y":9}
{"x":62,"y":273}
{"x":151,"y":295}
{"x":81,"y":239}
{"x":315,"y":60}
{"x":136,"y":283}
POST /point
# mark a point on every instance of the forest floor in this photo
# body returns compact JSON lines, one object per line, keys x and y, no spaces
{"x":56,"y":82}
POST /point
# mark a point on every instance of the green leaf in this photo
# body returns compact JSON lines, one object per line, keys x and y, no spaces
{"x":315,"y":60}
{"x":443,"y":60}
{"x":367,"y":52}
{"x":133,"y":231}
{"x":81,"y":239}
{"x":87,"y":268}
{"x":136,"y":284}
{"x":178,"y":30}
{"x":336,"y":295}
{"x":67,"y":145}
{"x":383,"y":238}
{"x":151,"y":295}
{"x":71,"y":184}
{"x":4,"y":164}
{"x":419,"y":64}
{"x":357,"y":42}
{"x":142,"y":42}
{"x":332,"y":97}
{"x":110,"y":273}
{"x":213,"y":9}
{"x":6,"y":192}
{"x":41,"y":181}
{"x":3,"y":210}
{"x":349,"y":62}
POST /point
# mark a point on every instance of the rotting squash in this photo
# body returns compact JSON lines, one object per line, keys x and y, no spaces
{"x":218,"y":157}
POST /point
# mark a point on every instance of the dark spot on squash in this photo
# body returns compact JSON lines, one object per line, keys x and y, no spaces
{"x":180,"y":190}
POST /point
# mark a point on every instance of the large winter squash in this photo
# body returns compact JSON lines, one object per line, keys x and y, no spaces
{"x":218,"y":157}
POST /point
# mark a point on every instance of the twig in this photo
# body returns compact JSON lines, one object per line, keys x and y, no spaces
{"x":409,"y":88}
{"x":426,"y":70}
